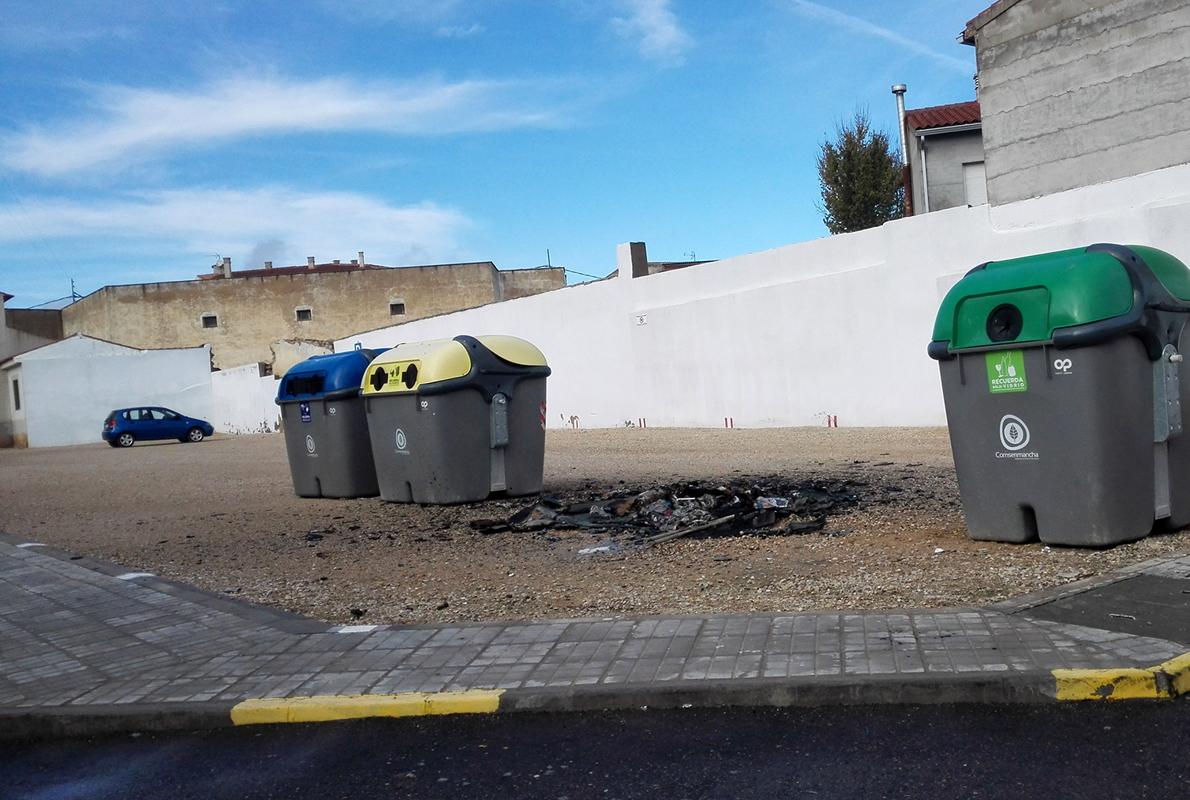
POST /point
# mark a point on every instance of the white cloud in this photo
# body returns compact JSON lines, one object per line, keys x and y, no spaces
{"x":42,"y":37}
{"x":241,"y":222}
{"x":862,"y":26}
{"x":459,"y":31}
{"x":133,"y":124}
{"x":656,"y":27}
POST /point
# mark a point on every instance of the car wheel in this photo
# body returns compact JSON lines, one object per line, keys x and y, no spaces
{"x":195,"y":435}
{"x":126,"y":440}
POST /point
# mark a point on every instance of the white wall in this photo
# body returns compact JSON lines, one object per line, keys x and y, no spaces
{"x":783,"y":337}
{"x":242,"y":401}
{"x":68,"y":388}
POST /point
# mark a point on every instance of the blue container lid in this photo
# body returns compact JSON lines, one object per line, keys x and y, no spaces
{"x":335,"y":375}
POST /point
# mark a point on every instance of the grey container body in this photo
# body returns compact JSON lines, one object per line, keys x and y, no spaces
{"x":438,"y":448}
{"x":1071,"y":460}
{"x":331,"y":455}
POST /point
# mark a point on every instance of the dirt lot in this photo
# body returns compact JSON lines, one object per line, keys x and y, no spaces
{"x":221,"y":515}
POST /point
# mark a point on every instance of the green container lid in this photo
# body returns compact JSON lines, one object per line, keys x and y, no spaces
{"x":1068,"y":298}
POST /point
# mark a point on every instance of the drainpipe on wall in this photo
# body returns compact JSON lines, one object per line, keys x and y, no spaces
{"x":899,"y":89}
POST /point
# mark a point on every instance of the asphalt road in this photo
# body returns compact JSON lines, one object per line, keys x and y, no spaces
{"x":1133,"y":750}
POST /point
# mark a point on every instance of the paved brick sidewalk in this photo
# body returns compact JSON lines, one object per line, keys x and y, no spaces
{"x":84,"y":646}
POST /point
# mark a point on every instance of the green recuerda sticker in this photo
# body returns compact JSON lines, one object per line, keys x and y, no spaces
{"x":1006,"y":372}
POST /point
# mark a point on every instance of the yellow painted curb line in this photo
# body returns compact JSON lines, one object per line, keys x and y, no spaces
{"x":323,"y":708}
{"x":1178,"y":672}
{"x":1168,"y":679}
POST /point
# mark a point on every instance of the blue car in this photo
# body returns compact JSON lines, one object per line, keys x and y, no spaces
{"x":125,"y":426}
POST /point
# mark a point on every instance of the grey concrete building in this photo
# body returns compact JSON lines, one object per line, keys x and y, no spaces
{"x":946,"y":164}
{"x":22,"y":329}
{"x":1079,"y":92}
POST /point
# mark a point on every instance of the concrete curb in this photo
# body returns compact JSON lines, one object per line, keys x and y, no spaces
{"x":1165,"y":681}
{"x":100,"y":720}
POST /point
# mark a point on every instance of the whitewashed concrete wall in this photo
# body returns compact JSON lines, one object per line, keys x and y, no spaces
{"x":69,"y":387}
{"x":242,"y":401}
{"x":784,"y":337}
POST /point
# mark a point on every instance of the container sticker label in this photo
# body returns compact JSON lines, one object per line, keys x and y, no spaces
{"x":310,"y":445}
{"x":1062,"y":366}
{"x":402,"y":443}
{"x":304,"y":410}
{"x":1014,"y":438}
{"x":1006,"y":372}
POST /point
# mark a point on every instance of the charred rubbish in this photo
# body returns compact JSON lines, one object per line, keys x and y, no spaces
{"x":662,"y":513}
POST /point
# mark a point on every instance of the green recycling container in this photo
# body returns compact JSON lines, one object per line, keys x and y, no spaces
{"x":1063,"y":384}
{"x":454,"y":420}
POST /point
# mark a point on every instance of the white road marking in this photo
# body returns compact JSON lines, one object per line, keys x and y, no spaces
{"x":127,"y":576}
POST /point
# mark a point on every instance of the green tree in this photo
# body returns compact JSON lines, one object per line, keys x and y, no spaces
{"x":861,"y":178}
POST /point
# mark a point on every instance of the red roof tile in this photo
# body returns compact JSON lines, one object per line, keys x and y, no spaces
{"x":943,"y":116}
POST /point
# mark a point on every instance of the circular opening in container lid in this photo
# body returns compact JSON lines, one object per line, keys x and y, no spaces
{"x":1004,"y":323}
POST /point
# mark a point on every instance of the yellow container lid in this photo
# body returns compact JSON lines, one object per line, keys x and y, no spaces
{"x":444,"y":364}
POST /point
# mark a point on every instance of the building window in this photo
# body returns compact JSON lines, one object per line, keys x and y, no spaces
{"x":304,"y":314}
{"x":396,"y":309}
{"x":210,"y":321}
{"x":16,"y":394}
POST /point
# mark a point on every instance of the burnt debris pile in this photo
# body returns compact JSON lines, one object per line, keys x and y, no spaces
{"x":658,"y":514}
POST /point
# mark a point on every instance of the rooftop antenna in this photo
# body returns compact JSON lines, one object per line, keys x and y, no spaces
{"x":74,"y":295}
{"x":547,"y":258}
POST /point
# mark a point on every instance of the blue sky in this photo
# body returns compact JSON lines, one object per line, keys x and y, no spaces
{"x":138,"y":140}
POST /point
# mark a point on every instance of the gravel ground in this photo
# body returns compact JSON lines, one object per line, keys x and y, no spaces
{"x":221,"y":515}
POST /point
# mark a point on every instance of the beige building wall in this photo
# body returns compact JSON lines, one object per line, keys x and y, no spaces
{"x":258,"y":318}
{"x":524,"y":282}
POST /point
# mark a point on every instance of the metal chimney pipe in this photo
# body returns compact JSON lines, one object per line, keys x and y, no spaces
{"x":899,"y":90}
